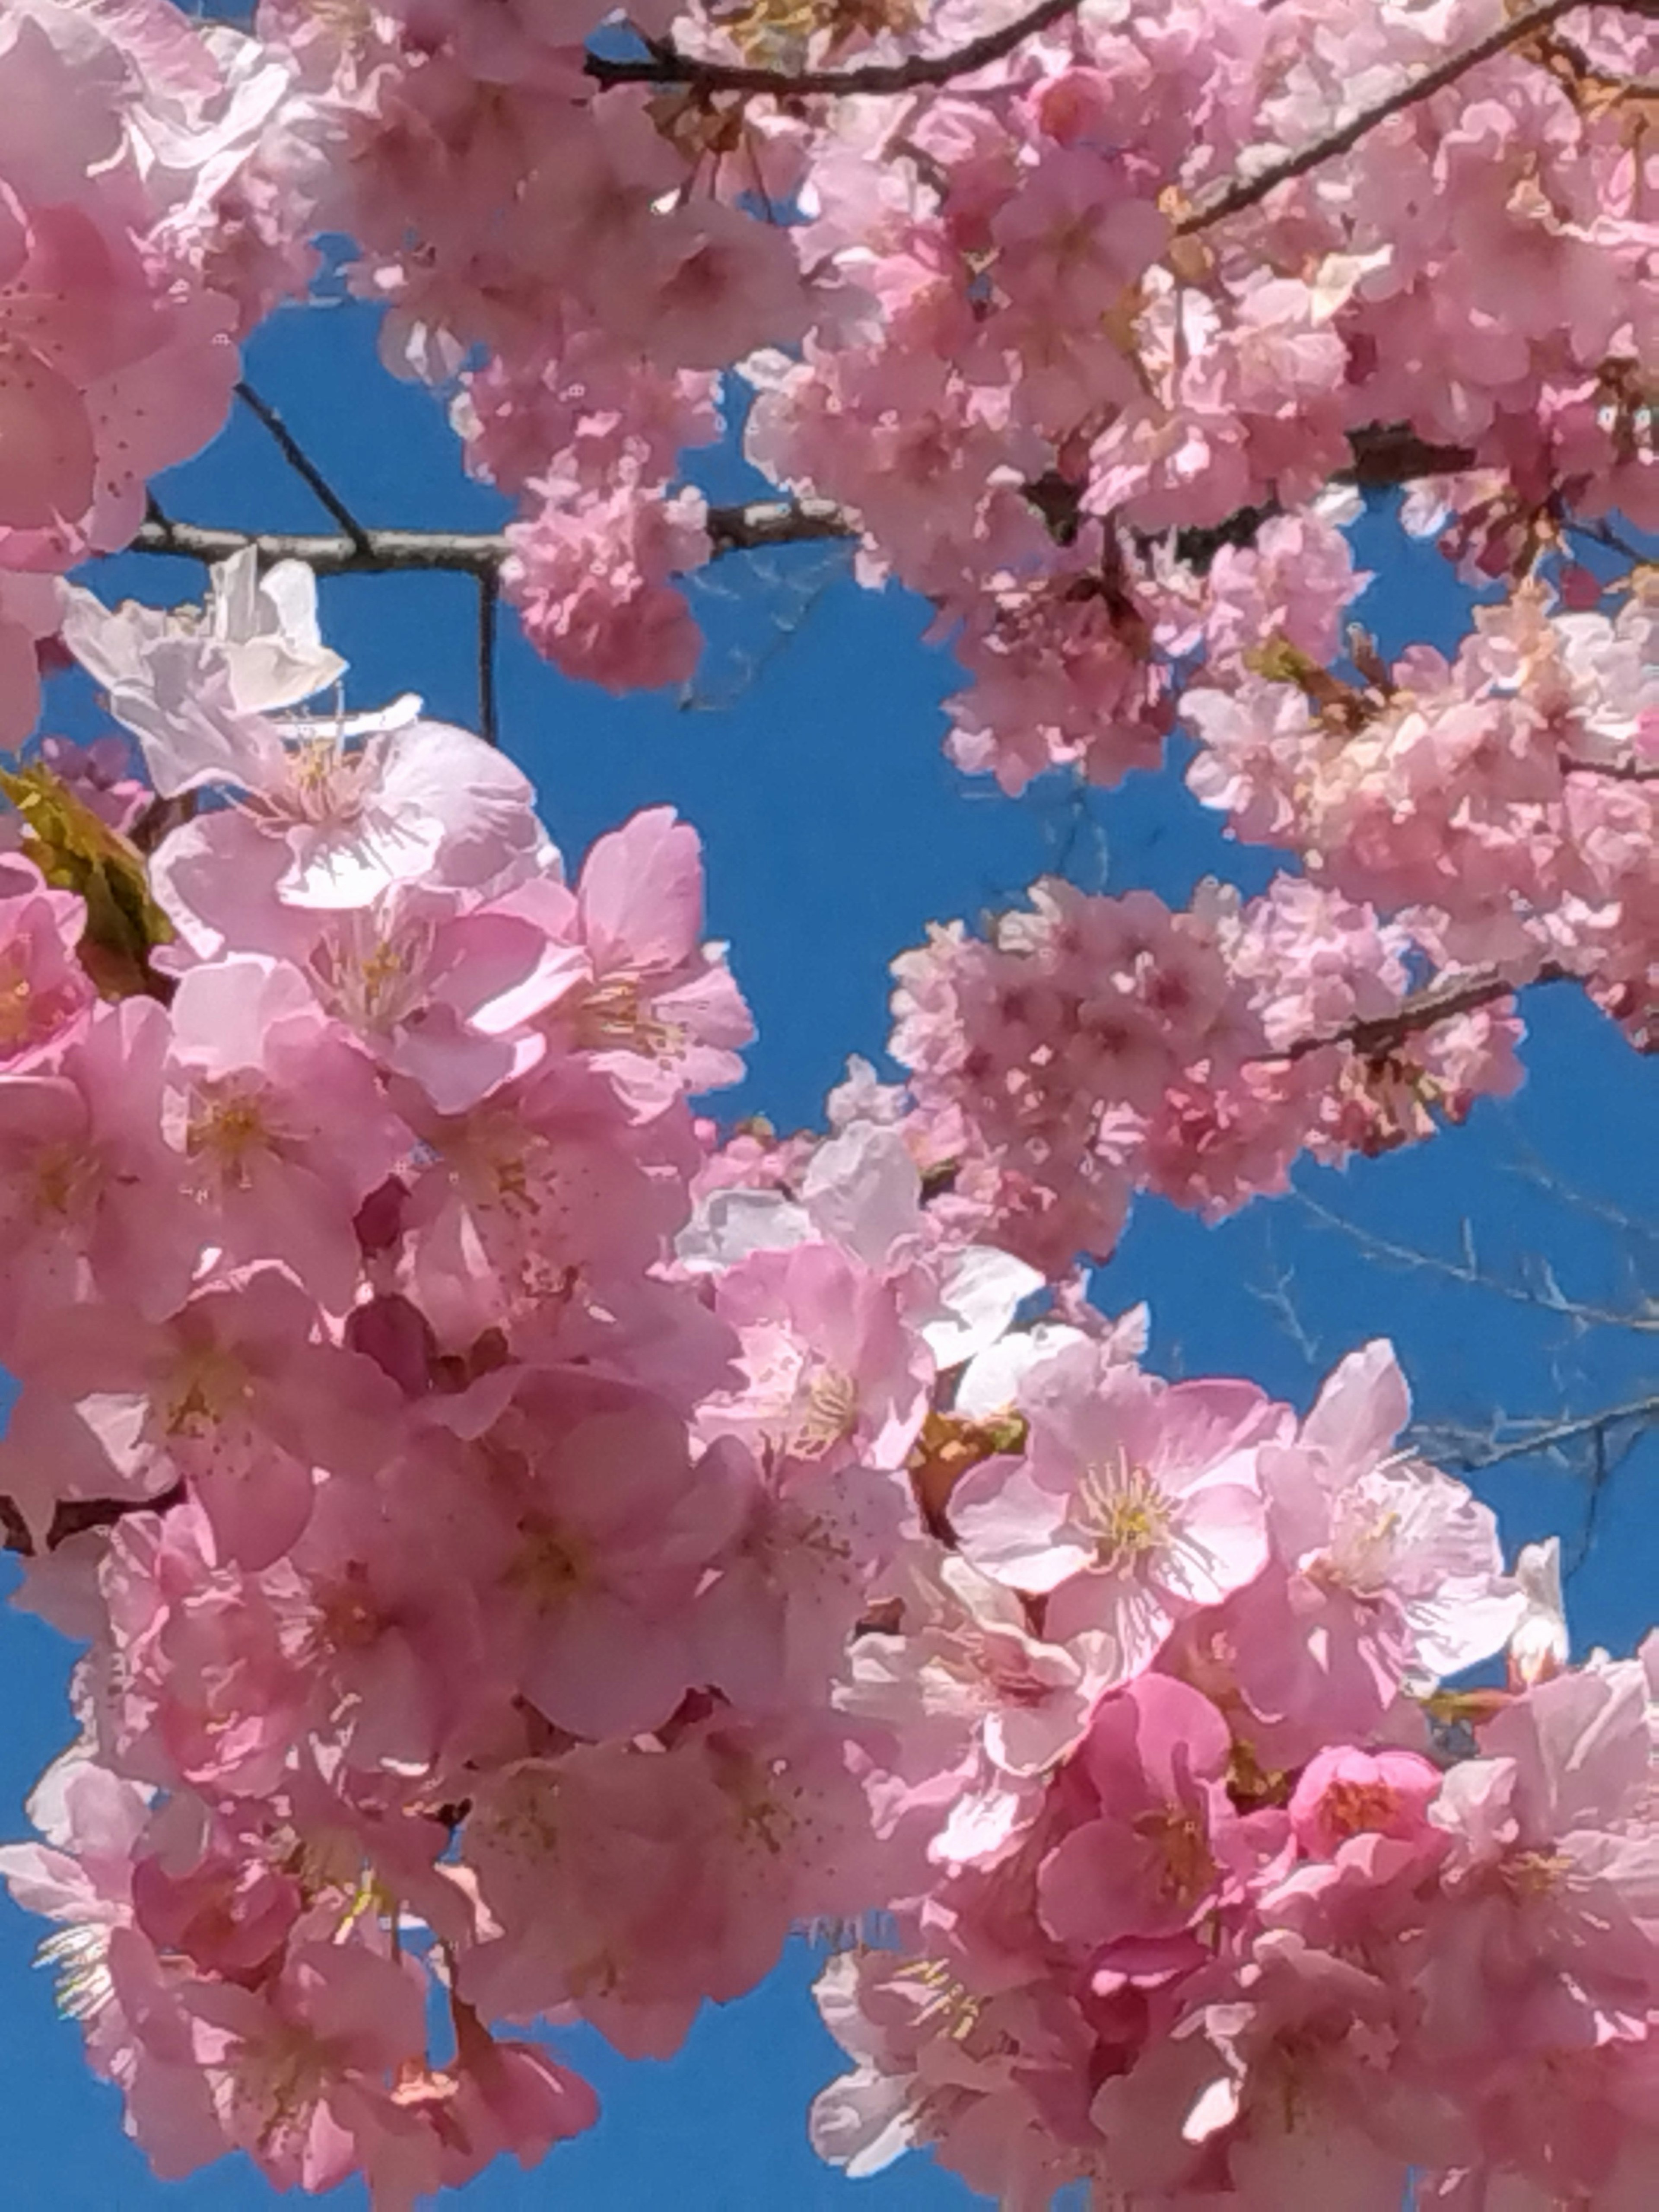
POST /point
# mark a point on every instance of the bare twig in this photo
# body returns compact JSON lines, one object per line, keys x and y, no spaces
{"x":1473,"y":1278}
{"x":1245,"y":191}
{"x":489,"y":596}
{"x":1601,"y":532}
{"x":1545,"y":1436}
{"x":302,"y":463}
{"x":664,"y":65}
{"x":1277,"y":1295}
{"x":1536,"y":1171}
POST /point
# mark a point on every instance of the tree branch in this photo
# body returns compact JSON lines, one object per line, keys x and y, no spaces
{"x":381,"y":552}
{"x":759,"y":523}
{"x":73,"y":1516}
{"x":1545,"y":1435}
{"x":665,"y":65}
{"x":1384,"y":455}
{"x":488,"y":597}
{"x":749,"y":527}
{"x":1247,"y":191}
{"x":1379,"y":1034}
{"x":1626,"y":771}
{"x":1643,"y":1321}
{"x":301,"y":463}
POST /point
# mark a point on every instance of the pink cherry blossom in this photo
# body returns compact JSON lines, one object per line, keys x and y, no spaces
{"x":1135,"y":1506}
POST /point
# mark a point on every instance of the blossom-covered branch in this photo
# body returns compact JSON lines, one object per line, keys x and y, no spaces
{"x":663,"y":65}
{"x":509,"y":1505}
{"x":1377,"y":1036}
{"x":1381,"y":457}
{"x":1514,"y":32}
{"x":752,"y":526}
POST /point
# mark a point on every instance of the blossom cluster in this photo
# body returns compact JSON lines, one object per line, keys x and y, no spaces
{"x":533,"y":1551}
{"x":534,"y":1555}
{"x":130,"y":260}
{"x":1025,"y":321}
{"x":1217,"y":1917}
{"x":466,"y":1565}
{"x":1503,"y":804}
{"x":1095,"y":1046}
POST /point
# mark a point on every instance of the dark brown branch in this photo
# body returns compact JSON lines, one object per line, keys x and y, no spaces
{"x":73,"y":1516}
{"x":302,"y":463}
{"x":760,"y":524}
{"x":665,"y":65}
{"x":488,"y":597}
{"x":1378,"y":1035}
{"x":1627,"y":771}
{"x":1383,"y":455}
{"x":1247,"y":191}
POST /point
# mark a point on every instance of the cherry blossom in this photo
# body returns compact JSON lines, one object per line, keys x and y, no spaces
{"x":535,"y":1548}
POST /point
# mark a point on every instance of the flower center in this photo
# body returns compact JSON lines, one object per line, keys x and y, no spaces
{"x":59,"y":1178}
{"x":1180,"y":1848}
{"x":945,"y":2003}
{"x":825,"y":1414}
{"x":1360,"y":1559}
{"x":16,"y":1004}
{"x":551,"y":1566}
{"x":1128,"y":1512}
{"x":613,"y":1017}
{"x":281,"y":2080}
{"x":348,"y":1618}
{"x":205,"y":1389}
{"x":80,"y":1955}
{"x":224,"y":1128}
{"x":1527,"y":1874}
{"x":1352,"y":1809}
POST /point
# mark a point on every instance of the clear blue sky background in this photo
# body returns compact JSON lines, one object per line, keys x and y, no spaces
{"x":809,"y":758}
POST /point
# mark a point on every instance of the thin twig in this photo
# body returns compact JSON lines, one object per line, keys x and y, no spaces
{"x":1548,"y":1436}
{"x":1245,"y":191}
{"x":1531,"y":1168}
{"x":302,"y":463}
{"x":664,"y":65}
{"x":488,"y":594}
{"x":1407,"y":1255}
{"x":1275,"y":1295}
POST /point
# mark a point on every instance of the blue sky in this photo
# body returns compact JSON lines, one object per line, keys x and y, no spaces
{"x":809,"y":758}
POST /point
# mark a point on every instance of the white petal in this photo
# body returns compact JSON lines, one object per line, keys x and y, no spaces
{"x":864,"y":1189}
{"x":991,"y":1382}
{"x":979,"y":1297}
{"x":729,"y":1224}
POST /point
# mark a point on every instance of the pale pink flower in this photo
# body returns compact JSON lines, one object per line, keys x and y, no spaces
{"x":1135,"y":1506}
